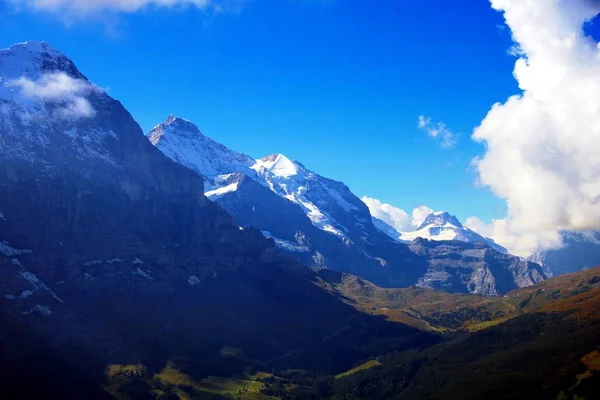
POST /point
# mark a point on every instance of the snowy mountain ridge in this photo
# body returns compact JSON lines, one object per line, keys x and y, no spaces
{"x":438,"y":226}
{"x":183,"y":142}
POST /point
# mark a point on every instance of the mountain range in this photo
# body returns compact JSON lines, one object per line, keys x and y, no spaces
{"x":320,"y":222}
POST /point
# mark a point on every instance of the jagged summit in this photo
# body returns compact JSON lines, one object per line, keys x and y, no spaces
{"x":170,"y":119}
{"x":439,"y":225}
{"x":182,"y":141}
{"x":51,"y":113}
{"x":32,"y":59}
{"x":320,"y":198}
{"x":33,"y":46}
{"x":440,"y":219}
{"x":175,"y":126}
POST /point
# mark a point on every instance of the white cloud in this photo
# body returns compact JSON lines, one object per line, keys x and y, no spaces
{"x":419,"y":214}
{"x":519,"y":242}
{"x":70,"y":9}
{"x":396,"y":217}
{"x":68,"y":95}
{"x":91,"y":6}
{"x":393,"y":216}
{"x":437,"y":130}
{"x":543,"y":146}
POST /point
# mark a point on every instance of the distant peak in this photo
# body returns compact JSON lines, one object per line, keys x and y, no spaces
{"x":174,"y":126}
{"x":440,"y":218}
{"x":177,"y":125}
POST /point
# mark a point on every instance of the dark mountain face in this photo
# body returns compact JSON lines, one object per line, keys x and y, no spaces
{"x":111,"y":254}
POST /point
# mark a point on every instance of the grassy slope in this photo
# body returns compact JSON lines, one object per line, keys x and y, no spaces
{"x":440,"y":311}
{"x":540,"y":342}
{"x":362,"y":367}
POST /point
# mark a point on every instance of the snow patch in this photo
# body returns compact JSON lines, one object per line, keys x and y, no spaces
{"x":220,"y":192}
{"x":12,"y":252}
{"x":25,"y":294}
{"x":286,"y":244}
{"x":290,"y":246}
{"x":42,"y":311}
{"x":92,"y":263}
{"x":143,"y":274}
{"x":193,"y":280}
{"x":39,"y":285}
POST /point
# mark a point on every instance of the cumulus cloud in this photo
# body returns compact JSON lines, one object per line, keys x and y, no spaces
{"x":395,"y":217}
{"x":437,"y":130}
{"x":66,"y":94}
{"x":419,"y":214}
{"x":543,"y":145}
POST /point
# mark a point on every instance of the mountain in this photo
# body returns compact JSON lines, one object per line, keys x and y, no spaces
{"x":580,"y":250}
{"x":463,"y":267}
{"x":439,"y":226}
{"x":112,"y":260}
{"x":320,"y":198}
{"x":321,"y":223}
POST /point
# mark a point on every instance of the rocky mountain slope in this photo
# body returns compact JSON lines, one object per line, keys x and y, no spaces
{"x":322,"y":223}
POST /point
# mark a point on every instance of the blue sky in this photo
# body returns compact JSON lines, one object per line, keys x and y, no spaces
{"x":338,"y":85}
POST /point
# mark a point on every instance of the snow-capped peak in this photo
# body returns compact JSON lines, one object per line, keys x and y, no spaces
{"x":183,"y":142}
{"x":320,"y":198}
{"x":45,"y":101}
{"x":279,"y":165}
{"x":440,"y":219}
{"x":32,"y":59}
{"x":438,"y":225}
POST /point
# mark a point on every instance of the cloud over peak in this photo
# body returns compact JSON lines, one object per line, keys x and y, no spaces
{"x":66,"y":93}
